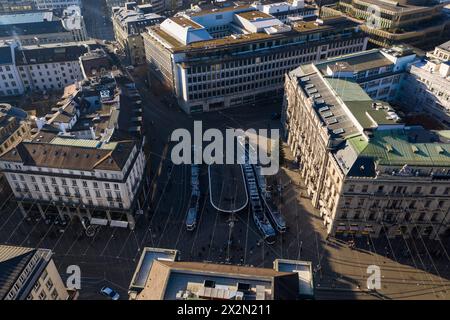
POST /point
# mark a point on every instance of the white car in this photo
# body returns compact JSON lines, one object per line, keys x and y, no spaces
{"x":110,"y":293}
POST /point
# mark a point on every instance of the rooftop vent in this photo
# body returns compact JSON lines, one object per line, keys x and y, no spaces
{"x":439,"y":149}
{"x":331,"y":121}
{"x":389,"y":148}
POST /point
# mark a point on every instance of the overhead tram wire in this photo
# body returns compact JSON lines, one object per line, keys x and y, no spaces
{"x":409,"y":249}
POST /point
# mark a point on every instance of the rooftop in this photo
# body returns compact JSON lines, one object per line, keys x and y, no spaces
{"x":171,"y":36}
{"x":70,"y":156}
{"x":148,"y":256}
{"x":13,"y":260}
{"x":403,"y":6}
{"x":366,"y":133}
{"x":356,"y":63}
{"x":445,"y":46}
{"x":32,"y":28}
{"x":254,"y":15}
{"x":158,"y":276}
{"x":53,"y":52}
{"x":185,"y":22}
{"x":26,"y":17}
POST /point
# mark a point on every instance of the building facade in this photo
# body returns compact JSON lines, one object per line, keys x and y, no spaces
{"x":366,"y":171}
{"x":427,"y":84}
{"x":95,"y":181}
{"x":56,"y":4}
{"x":41,"y":27}
{"x":420,"y":23}
{"x":30,"y":274}
{"x":238,"y":55}
{"x":14,"y":126}
{"x":158,"y":6}
{"x":8,"y":6}
{"x":41,"y":68}
{"x":129,"y":22}
{"x":86,"y":159}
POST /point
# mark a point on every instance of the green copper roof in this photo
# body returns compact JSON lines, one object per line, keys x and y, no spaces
{"x":391,"y":147}
{"x":359,"y":103}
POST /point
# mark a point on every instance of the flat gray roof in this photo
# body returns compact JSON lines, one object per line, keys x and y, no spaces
{"x":149,"y":255}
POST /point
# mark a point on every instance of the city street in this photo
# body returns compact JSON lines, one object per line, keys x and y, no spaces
{"x":97,"y":20}
{"x":408,"y":269}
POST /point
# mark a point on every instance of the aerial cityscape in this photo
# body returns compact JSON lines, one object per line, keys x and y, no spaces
{"x":224,"y":150}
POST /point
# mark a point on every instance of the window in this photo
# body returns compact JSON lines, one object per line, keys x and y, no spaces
{"x":42,"y":295}
{"x":54,"y":294}
{"x":44,"y":275}
{"x":49,"y":284}
{"x":36,"y":287}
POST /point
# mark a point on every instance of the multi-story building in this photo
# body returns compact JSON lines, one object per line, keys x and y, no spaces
{"x":7,"y":6}
{"x":92,"y":180}
{"x":427,"y":84}
{"x":420,"y":23}
{"x":28,"y":5}
{"x":158,"y":6}
{"x":42,"y":68}
{"x":238,"y":55}
{"x":13,"y":126}
{"x":441,"y":52}
{"x":56,"y":4}
{"x":41,"y":27}
{"x":30,"y":274}
{"x":87,"y":158}
{"x":159,"y":277}
{"x":365,"y":169}
{"x":10,"y":81}
{"x":129,"y":22}
{"x":95,"y":62}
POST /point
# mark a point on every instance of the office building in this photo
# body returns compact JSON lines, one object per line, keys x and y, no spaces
{"x":366,"y":169}
{"x":421,"y":23}
{"x":86,"y":159}
{"x":14,"y":126}
{"x":159,"y":276}
{"x":41,"y":27}
{"x":158,"y":6}
{"x":427,"y":84}
{"x":238,"y":55}
{"x":8,"y":6}
{"x":30,"y":274}
{"x":56,"y":4}
{"x":41,"y":68}
{"x":129,"y":22}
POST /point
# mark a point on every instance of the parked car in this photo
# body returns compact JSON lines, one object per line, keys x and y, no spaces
{"x":110,"y":293}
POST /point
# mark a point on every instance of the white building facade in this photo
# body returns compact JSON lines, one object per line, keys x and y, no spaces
{"x":40,"y":68}
{"x":239,"y":55}
{"x":101,"y":185}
